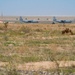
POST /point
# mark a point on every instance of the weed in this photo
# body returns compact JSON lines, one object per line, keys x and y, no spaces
{"x":25,"y":29}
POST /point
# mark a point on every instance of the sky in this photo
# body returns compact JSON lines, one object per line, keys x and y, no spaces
{"x":37,"y":7}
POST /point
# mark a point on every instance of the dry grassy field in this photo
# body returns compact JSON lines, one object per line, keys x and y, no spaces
{"x":30,"y":43}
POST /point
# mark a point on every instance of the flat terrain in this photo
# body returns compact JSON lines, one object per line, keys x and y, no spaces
{"x":40,"y":18}
{"x":30,"y":43}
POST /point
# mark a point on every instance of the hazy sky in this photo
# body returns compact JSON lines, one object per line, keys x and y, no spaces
{"x":37,"y":7}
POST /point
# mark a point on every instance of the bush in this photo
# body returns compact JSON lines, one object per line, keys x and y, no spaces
{"x":25,"y":29}
{"x":6,"y":24}
{"x":11,"y":69}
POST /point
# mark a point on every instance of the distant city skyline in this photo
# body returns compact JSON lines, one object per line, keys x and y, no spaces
{"x":37,"y":7}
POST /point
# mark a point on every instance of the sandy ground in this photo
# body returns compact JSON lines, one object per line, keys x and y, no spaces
{"x":44,"y":65}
